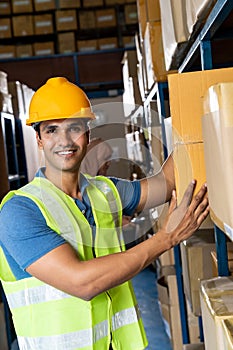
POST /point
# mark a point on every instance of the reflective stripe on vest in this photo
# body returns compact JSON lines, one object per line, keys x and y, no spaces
{"x":50,"y":324}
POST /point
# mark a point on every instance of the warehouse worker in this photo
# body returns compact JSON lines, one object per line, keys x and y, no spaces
{"x":63,"y":265}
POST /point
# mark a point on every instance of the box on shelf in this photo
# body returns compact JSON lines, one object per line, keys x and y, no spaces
{"x":43,"y":24}
{"x":93,"y":3}
{"x":6,"y":103}
{"x":66,"y":42}
{"x":43,"y":49}
{"x":44,"y":5}
{"x":197,"y":11}
{"x":24,"y":50}
{"x":174,"y":30}
{"x":19,"y":6}
{"x":87,"y":19}
{"x":87,"y":45}
{"x":153,"y":10}
{"x":200,"y":346}
{"x":23,"y":25}
{"x":62,"y":4}
{"x":227,"y":326}
{"x":197,"y":265}
{"x":131,"y":95}
{"x":5,"y":28}
{"x":4,"y":82}
{"x":7,"y":51}
{"x":107,"y":43}
{"x":15,"y":89}
{"x":142,"y":17}
{"x":186,"y":93}
{"x":66,"y":20}
{"x":131,"y":14}
{"x":128,"y":41}
{"x":5,"y":7}
{"x":114,"y":2}
{"x":216,"y":297}
{"x":218,"y":141}
{"x":154,"y":56}
{"x":106,"y":18}
{"x":168,"y":297}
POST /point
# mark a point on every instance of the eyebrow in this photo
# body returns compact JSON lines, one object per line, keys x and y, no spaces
{"x":53,"y":126}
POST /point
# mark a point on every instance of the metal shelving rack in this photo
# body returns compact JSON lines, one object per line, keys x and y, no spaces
{"x":217,"y":31}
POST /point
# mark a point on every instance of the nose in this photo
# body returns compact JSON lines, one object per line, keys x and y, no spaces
{"x":64,"y":138}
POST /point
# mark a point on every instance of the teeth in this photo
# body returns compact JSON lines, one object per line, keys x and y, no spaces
{"x":65,"y":152}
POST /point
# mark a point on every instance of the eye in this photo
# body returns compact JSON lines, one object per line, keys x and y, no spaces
{"x":51,"y":130}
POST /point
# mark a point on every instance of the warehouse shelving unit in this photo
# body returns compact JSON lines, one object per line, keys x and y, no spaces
{"x":211,"y":49}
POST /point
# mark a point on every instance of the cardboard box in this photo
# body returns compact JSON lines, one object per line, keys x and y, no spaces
{"x":66,"y":42}
{"x":87,"y":45}
{"x":196,"y":11}
{"x":199,"y":346}
{"x":186,"y":91}
{"x":227,"y":326}
{"x":7,"y":51}
{"x":43,"y":24}
{"x":197,"y":265}
{"x":218,"y":137}
{"x":168,"y":297}
{"x":23,"y":25}
{"x":43,"y":49}
{"x":3,"y":82}
{"x":87,"y":19}
{"x":154,"y":56}
{"x":107,"y":43}
{"x":66,"y":20}
{"x":44,"y":5}
{"x":216,"y":297}
{"x":19,"y":6}
{"x":92,"y":3}
{"x":131,"y":14}
{"x":5,"y":7}
{"x":6,"y":103}
{"x":65,"y":4}
{"x":153,"y":10}
{"x":174,"y":31}
{"x":24,"y":50}
{"x":142,"y":17}
{"x":128,"y":41}
{"x":106,"y":18}
{"x":15,"y":89}
{"x":5,"y":28}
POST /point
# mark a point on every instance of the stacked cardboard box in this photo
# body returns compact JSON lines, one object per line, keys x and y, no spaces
{"x":218,"y":135}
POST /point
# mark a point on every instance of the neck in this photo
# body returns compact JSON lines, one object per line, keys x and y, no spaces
{"x":68,"y":182}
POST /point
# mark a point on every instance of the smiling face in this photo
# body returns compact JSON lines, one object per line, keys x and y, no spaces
{"x":64,"y":142}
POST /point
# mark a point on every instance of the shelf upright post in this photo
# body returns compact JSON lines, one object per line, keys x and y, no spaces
{"x":206,"y":55}
{"x":162,"y":113}
{"x":221,"y":250}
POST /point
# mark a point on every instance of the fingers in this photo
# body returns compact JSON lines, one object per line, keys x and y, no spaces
{"x":188,"y":195}
{"x":199,"y":197}
{"x":173,"y":202}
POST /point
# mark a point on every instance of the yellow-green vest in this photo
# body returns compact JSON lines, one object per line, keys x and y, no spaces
{"x":46,"y":318}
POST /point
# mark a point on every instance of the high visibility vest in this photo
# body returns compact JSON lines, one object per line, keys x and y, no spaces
{"x":46,"y":318}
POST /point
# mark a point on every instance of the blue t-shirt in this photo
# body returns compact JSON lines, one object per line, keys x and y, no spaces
{"x":25,"y":236}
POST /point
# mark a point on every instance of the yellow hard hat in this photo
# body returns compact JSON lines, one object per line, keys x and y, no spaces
{"x":59,"y":99}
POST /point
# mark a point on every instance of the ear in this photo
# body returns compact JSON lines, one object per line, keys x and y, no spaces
{"x":39,"y":142}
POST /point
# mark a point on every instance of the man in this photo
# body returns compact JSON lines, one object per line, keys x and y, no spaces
{"x":63,"y":265}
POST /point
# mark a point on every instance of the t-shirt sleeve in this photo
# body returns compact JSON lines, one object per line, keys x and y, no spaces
{"x":24,"y":233}
{"x":130,"y":192}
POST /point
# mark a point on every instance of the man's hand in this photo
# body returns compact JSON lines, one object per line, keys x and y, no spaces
{"x":184,"y":220}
